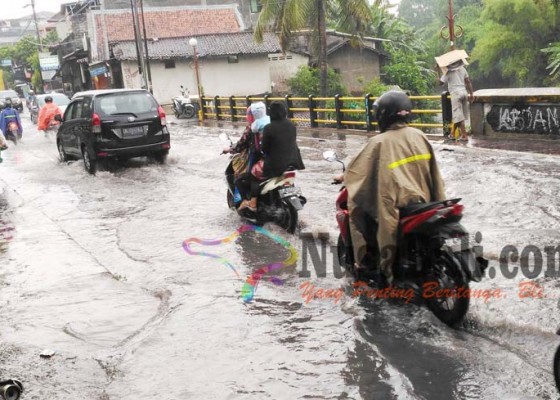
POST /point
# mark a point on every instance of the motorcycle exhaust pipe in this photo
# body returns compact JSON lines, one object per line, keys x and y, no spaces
{"x":10,"y":389}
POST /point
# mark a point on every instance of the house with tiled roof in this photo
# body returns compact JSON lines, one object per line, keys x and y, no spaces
{"x":229,"y":64}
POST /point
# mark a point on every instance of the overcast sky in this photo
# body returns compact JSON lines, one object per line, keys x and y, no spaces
{"x":16,"y":9}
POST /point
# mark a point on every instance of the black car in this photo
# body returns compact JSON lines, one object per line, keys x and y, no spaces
{"x":17,"y":103}
{"x":112,"y":124}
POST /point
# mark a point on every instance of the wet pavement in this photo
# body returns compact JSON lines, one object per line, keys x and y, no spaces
{"x":93,"y":268}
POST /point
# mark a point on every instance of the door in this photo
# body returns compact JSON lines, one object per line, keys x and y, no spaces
{"x":67,"y":130}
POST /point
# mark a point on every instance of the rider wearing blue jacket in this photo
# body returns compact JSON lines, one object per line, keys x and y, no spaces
{"x":8,"y":115}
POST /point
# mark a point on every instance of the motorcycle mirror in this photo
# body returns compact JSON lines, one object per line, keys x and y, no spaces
{"x":330,"y":156}
{"x":181,"y":86}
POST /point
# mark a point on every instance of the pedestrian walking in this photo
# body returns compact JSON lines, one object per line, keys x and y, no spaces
{"x":460,"y":88}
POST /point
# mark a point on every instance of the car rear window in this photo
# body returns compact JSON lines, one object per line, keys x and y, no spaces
{"x":125,"y":103}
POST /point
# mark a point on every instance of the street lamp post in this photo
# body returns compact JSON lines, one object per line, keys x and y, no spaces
{"x":193,"y":42}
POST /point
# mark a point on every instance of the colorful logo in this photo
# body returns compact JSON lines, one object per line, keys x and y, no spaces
{"x":250,"y":285}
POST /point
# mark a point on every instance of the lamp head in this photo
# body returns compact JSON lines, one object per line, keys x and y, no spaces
{"x":193,"y":42}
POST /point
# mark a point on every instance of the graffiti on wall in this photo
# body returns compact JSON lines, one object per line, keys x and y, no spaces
{"x":539,"y":119}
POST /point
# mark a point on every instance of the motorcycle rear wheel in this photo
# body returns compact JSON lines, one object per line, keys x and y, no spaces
{"x":289,"y":218}
{"x":189,"y":112}
{"x":448,"y":309}
{"x":557,"y":368}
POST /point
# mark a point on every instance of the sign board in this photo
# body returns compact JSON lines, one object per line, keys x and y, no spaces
{"x":5,"y":63}
{"x":98,"y":70}
{"x":48,"y":62}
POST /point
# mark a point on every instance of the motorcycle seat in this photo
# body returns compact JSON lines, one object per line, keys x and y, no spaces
{"x":418,"y":208}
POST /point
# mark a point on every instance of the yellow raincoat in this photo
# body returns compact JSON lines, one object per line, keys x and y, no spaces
{"x":393,"y":170}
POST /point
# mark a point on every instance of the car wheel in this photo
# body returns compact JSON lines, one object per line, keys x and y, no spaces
{"x":61,"y":153}
{"x":161,"y":156}
{"x":90,"y":164}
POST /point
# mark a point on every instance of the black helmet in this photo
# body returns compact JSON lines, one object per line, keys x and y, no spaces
{"x":8,"y":102}
{"x":393,"y":106}
{"x":48,"y":99}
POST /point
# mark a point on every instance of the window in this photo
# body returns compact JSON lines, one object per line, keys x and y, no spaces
{"x":125,"y":103}
{"x":69,"y":111}
{"x":169,"y":64}
{"x":233,"y":59}
{"x":256,"y":6}
{"x":86,"y":109}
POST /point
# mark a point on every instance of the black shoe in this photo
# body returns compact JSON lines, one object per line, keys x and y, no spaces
{"x":373,"y":278}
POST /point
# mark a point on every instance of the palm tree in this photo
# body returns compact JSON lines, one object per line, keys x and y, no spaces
{"x":286,"y":17}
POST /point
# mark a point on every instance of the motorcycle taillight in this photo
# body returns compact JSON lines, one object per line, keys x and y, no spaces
{"x":290,"y":174}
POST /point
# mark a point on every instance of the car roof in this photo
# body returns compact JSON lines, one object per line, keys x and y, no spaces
{"x":40,"y":96}
{"x":106,"y":91}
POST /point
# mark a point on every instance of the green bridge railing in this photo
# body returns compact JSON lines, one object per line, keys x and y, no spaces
{"x":341,"y":112}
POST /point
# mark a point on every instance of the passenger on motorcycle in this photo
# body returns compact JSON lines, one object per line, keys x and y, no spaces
{"x":393,"y":170}
{"x":246,"y":147}
{"x":10,"y":116}
{"x":47,"y":113}
{"x":280,"y":151}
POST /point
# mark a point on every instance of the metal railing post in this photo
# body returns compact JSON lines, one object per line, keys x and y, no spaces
{"x":217,"y":105}
{"x":232,"y":110}
{"x":446,"y":112}
{"x":289,"y":105}
{"x":338,"y":106}
{"x":369,"y":117}
{"x":312,"y":113}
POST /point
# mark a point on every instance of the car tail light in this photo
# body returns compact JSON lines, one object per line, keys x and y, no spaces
{"x":161,"y":114}
{"x":165,"y":146}
{"x":102,"y":154}
{"x":95,"y":123}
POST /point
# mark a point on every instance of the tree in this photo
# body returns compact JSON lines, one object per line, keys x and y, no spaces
{"x":511,"y":38}
{"x":287,"y":17}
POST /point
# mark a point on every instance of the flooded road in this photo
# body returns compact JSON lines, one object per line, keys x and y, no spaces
{"x":93,"y":268}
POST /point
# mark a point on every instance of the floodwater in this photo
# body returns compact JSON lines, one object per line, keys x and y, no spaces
{"x":93,"y":268}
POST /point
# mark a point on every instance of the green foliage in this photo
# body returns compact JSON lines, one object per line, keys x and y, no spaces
{"x":553,"y":52}
{"x":307,"y":81}
{"x":375,"y":87}
{"x":514,"y":32}
{"x":409,"y":74}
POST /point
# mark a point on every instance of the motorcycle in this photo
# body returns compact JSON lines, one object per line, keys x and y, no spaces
{"x":183,"y":105}
{"x":12,"y":132}
{"x":10,"y":389}
{"x":279,"y":200}
{"x":433,"y":255}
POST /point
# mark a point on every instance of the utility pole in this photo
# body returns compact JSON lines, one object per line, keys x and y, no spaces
{"x":148,"y":68}
{"x":138,"y":42}
{"x":40,"y":49}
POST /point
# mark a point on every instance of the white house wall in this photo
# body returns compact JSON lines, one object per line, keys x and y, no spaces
{"x":283,"y":67}
{"x":251,"y":75}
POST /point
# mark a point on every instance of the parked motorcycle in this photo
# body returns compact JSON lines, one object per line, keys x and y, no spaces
{"x":10,"y":389}
{"x":12,"y":132}
{"x":279,"y":200}
{"x":433,"y":252}
{"x":183,"y":105}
